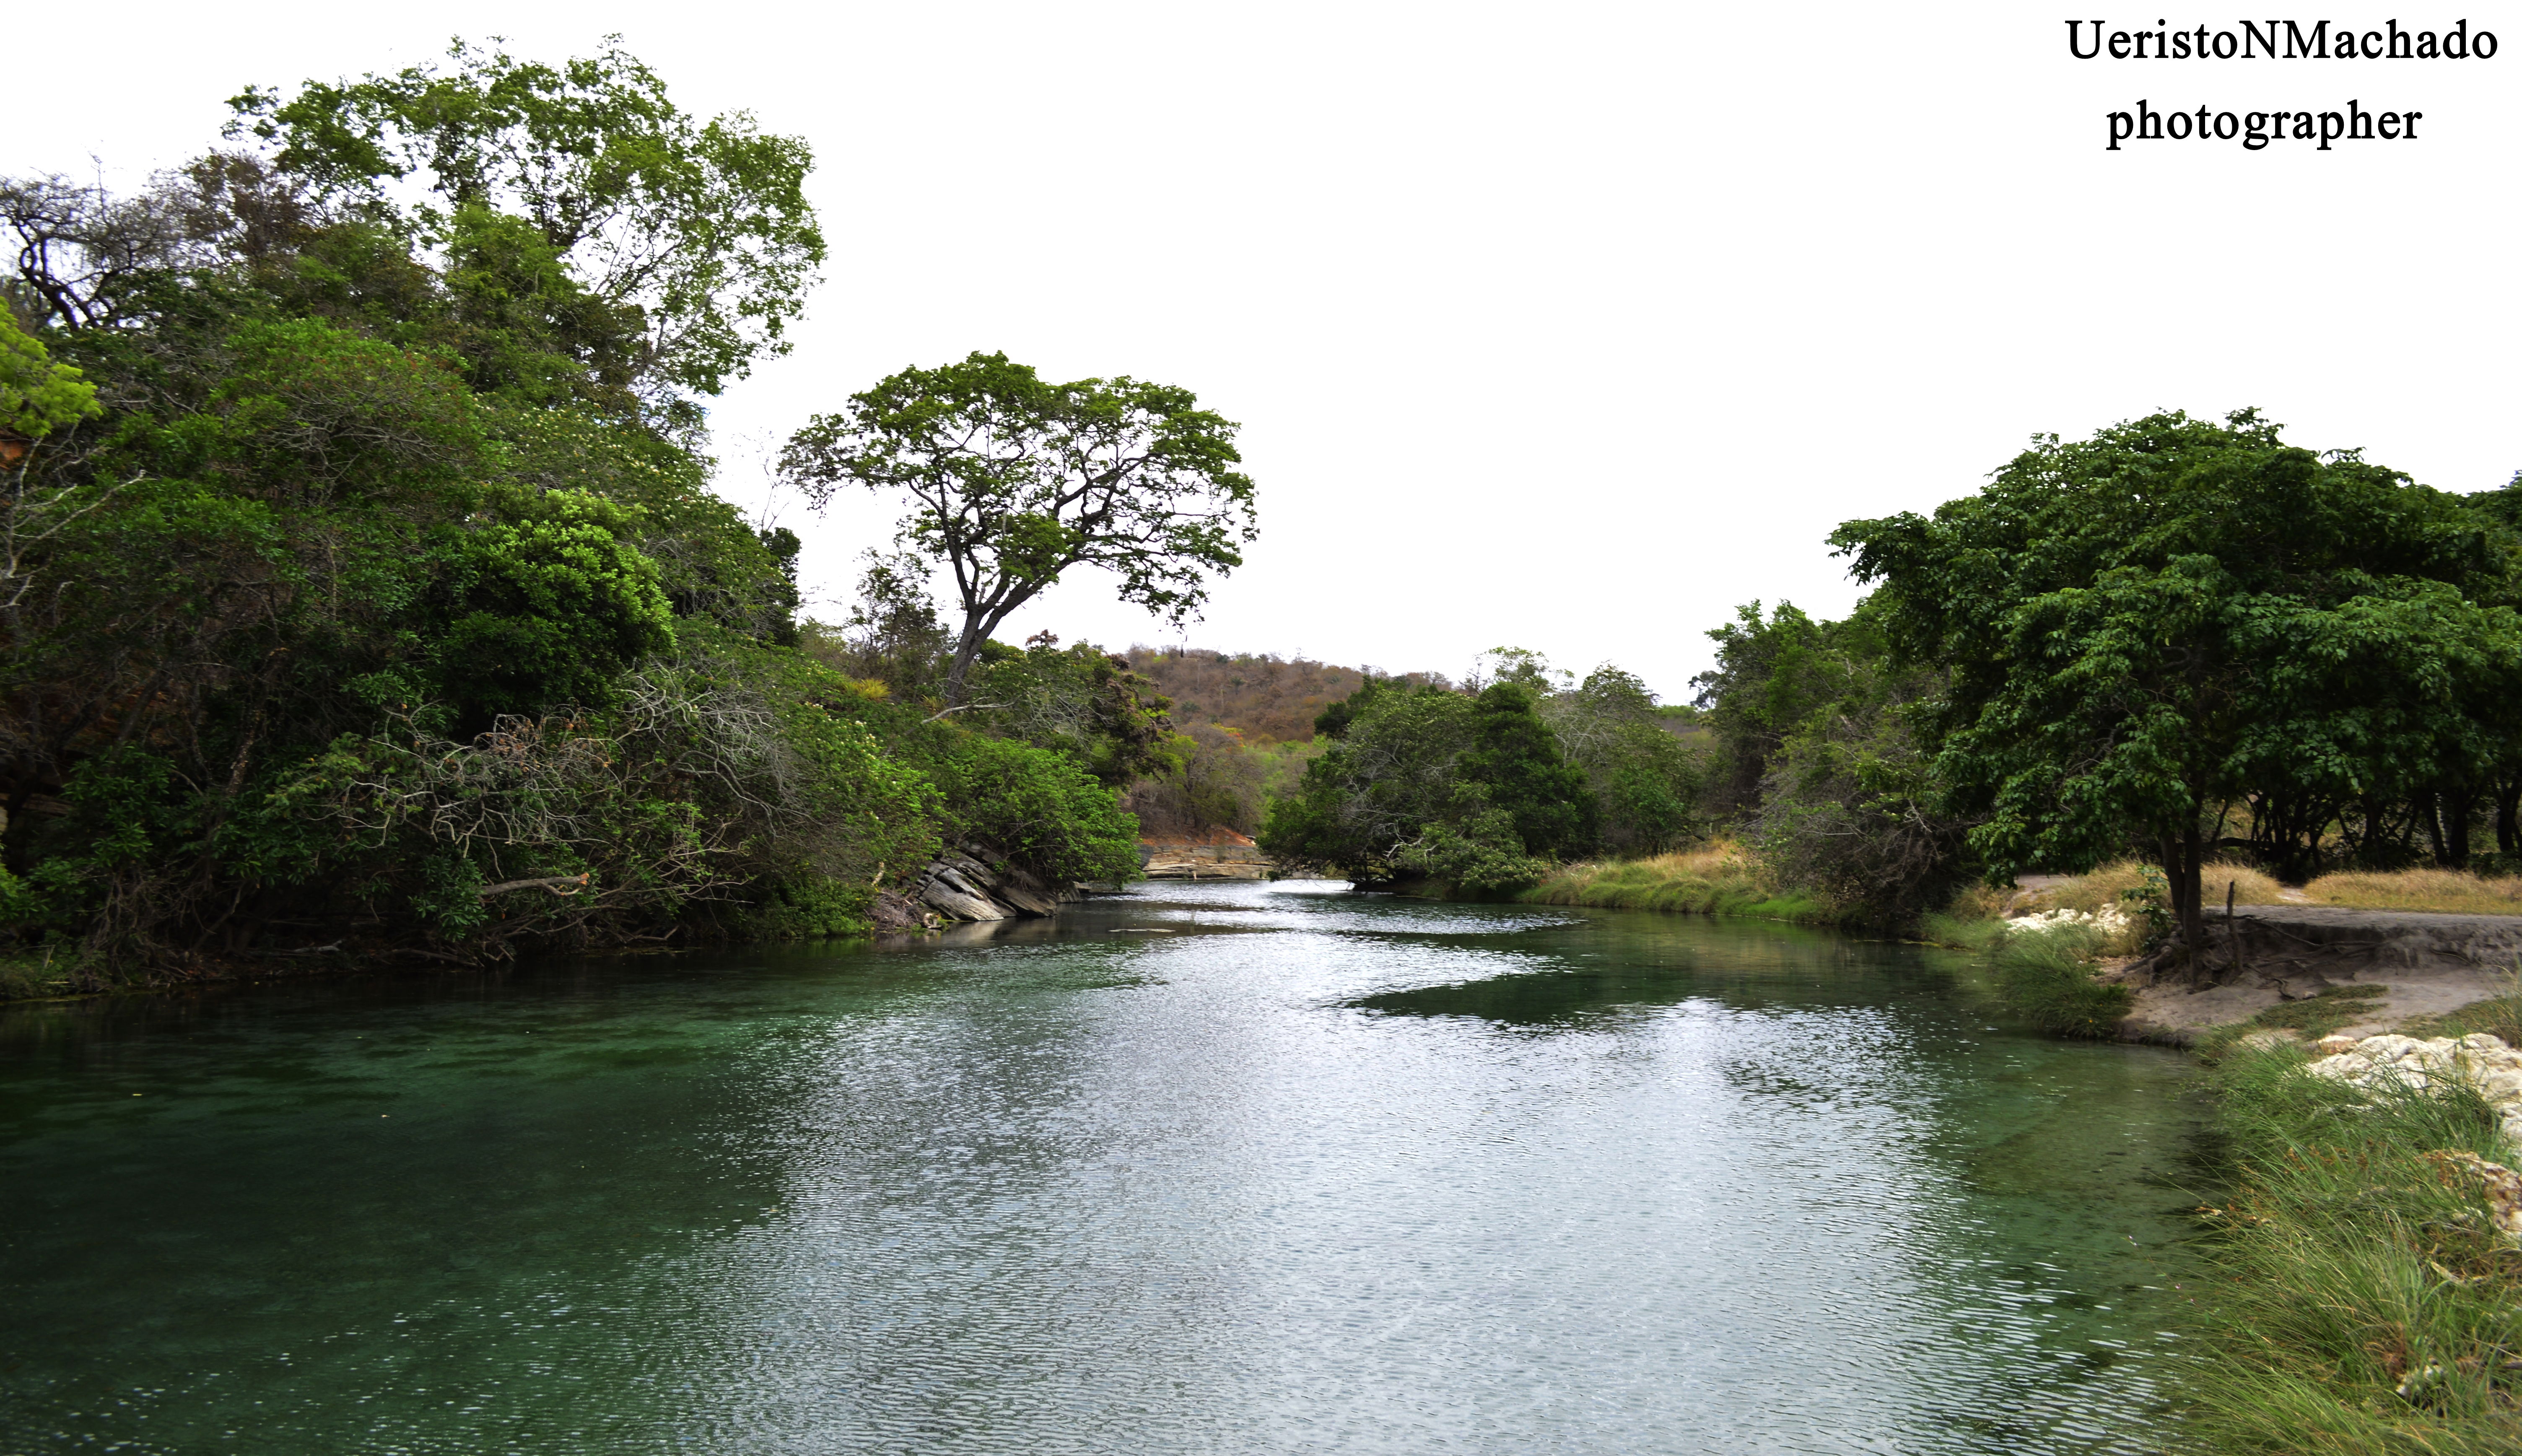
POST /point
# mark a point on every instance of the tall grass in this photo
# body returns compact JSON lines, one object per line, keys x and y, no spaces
{"x":2499,"y":1017}
{"x":2366,"y":1303}
{"x":1716,"y":878}
{"x":2047,"y":976}
{"x":2457,"y":891}
{"x":2106,"y":883}
{"x":2453,"y":890}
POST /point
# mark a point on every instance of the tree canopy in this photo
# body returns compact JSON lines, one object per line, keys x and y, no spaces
{"x":2173,"y":614}
{"x":362,"y":589}
{"x":1014,"y":480}
{"x":579,"y":189}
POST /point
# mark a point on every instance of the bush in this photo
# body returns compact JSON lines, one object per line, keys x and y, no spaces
{"x":1038,"y":807}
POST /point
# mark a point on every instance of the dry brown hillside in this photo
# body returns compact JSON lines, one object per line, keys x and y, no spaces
{"x":1267,"y":698}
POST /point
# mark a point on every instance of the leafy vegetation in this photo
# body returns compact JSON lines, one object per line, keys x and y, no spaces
{"x":1015,"y":480}
{"x":361,"y":586}
{"x":2139,"y":630}
{"x":1483,"y":790}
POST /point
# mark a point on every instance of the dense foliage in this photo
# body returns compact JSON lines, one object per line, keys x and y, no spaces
{"x":1480,"y":792}
{"x":360,"y":585}
{"x":2177,"y":639}
{"x":2136,"y":632}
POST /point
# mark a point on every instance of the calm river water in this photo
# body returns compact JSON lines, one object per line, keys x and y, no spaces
{"x":1222,"y":1168}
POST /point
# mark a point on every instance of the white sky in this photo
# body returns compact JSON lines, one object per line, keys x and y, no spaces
{"x":1563,"y":326}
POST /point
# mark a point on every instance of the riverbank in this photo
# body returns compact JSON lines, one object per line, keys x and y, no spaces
{"x":2367,"y":1298}
{"x":2366,"y":1301}
{"x":1717,"y":878}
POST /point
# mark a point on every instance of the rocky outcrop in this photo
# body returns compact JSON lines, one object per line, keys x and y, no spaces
{"x":2404,"y":1063}
{"x":1212,"y":853}
{"x":964,"y":885}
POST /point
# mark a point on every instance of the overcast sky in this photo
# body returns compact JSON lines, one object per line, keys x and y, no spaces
{"x":1565,"y":326}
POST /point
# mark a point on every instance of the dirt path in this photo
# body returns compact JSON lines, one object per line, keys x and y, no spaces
{"x":2429,"y":964}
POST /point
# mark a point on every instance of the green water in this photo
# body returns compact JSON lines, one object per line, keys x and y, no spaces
{"x":1221,"y":1168}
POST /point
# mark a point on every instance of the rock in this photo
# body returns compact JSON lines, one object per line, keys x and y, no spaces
{"x":1026,"y":894}
{"x":895,"y":911}
{"x":2503,"y":1187}
{"x":2335,"y":1043}
{"x":953,"y":895}
{"x":960,"y":884}
{"x":2392,"y":1062}
{"x":2273,"y":1037}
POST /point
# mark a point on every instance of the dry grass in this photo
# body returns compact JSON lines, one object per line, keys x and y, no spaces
{"x":2453,"y":890}
{"x":2090,"y":893}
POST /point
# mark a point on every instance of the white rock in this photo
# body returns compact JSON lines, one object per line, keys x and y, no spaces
{"x":2478,"y":1059}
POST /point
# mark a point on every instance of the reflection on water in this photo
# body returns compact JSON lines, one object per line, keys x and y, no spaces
{"x":1304,"y":1171}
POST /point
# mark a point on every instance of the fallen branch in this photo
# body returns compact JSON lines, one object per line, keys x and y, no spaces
{"x":961,"y":708}
{"x":551,"y":882}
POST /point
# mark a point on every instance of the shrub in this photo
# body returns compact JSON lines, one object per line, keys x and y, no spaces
{"x":1038,"y":806}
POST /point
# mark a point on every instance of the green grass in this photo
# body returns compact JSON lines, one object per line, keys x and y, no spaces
{"x":2362,"y":1301}
{"x":1716,"y":879}
{"x":1984,"y":934}
{"x":2047,"y":976}
{"x":2314,"y":1017}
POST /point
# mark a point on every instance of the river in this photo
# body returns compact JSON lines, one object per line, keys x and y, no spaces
{"x":1214,"y":1169}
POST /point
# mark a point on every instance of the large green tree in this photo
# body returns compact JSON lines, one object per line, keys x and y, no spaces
{"x":674,"y":249}
{"x":1014,"y":480}
{"x":2144,"y":626}
{"x":361,"y":586}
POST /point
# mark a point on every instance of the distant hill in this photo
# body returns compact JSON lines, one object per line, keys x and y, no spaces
{"x":1264,"y":697}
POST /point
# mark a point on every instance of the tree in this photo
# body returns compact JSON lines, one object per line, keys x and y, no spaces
{"x":695,"y":236}
{"x":1770,"y":678}
{"x":1645,"y":781}
{"x":1465,"y":789}
{"x":1014,"y":480}
{"x":2144,"y":626}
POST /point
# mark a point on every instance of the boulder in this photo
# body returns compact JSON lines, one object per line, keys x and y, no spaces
{"x":2403,"y":1063}
{"x":954,"y":895}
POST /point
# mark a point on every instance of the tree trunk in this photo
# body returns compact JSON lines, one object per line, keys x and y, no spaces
{"x":977,"y":627}
{"x":960,"y":671}
{"x":2456,"y":829}
{"x":2423,"y":806}
{"x":2509,"y":806}
{"x":2193,"y":923}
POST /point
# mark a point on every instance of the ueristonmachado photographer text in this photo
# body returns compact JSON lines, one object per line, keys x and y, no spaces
{"x":2322,"y":123}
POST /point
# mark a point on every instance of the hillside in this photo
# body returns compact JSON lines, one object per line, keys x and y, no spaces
{"x":1264,"y":697}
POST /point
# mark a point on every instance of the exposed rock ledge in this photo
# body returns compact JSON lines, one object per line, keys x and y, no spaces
{"x":960,"y":885}
{"x":1211,"y":853}
{"x":2428,"y":963}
